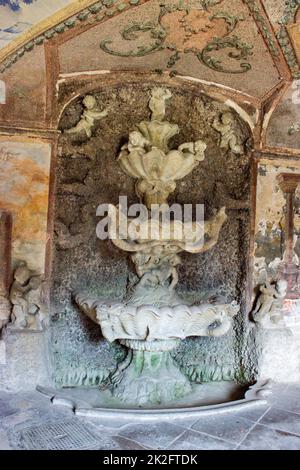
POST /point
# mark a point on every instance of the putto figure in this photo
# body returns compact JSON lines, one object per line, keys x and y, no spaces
{"x":157,"y":103}
{"x":26,"y":296}
{"x":91,"y":114}
{"x":225,"y":126}
{"x":268,"y":310}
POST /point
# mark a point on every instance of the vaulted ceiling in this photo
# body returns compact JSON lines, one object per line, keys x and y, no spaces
{"x":247,"y":48}
{"x":18,"y":16}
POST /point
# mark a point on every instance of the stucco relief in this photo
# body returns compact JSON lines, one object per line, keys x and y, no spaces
{"x":29,"y":310}
{"x":268,"y":311}
{"x":186,"y":28}
{"x":89,"y":117}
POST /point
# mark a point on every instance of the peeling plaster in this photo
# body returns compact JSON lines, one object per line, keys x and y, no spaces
{"x":270,"y":203}
{"x":24,"y":187}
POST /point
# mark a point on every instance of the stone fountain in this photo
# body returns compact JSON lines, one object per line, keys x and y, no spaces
{"x":152,"y":319}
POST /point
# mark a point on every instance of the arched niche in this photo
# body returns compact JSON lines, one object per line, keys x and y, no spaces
{"x":88,"y":174}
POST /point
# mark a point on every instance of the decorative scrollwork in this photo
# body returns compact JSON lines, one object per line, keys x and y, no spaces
{"x":209,"y":3}
{"x":241,"y":51}
{"x":231,"y":20}
{"x":130,"y":33}
{"x":179,"y":30}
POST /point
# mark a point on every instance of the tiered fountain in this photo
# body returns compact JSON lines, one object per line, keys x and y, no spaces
{"x":152,"y":319}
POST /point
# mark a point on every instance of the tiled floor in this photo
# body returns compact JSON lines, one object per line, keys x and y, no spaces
{"x":275,"y":426}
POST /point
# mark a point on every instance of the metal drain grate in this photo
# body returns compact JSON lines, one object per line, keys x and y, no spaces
{"x":64,"y":435}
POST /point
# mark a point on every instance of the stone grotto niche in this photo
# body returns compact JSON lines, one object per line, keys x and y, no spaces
{"x":95,"y":127}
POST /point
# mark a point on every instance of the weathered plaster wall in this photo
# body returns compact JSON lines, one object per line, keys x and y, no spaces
{"x":25,"y":103}
{"x":24,"y":189}
{"x":269,"y":224}
{"x":285,"y":118}
{"x":275,"y":11}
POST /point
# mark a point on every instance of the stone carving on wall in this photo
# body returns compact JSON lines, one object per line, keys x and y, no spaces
{"x":147,"y":157}
{"x":87,"y":120}
{"x":182,"y":29}
{"x":268,"y":311}
{"x":26,"y":295}
{"x":151,"y":319}
{"x":230,"y":140}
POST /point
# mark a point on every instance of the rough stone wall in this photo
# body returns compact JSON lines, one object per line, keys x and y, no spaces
{"x":87,"y":175}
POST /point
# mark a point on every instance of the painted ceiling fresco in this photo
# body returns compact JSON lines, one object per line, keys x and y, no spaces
{"x":17,"y":16}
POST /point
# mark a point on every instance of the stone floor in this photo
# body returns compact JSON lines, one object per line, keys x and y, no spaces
{"x":29,"y":421}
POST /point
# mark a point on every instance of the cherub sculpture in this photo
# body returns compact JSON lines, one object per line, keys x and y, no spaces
{"x":157,"y":103}
{"x":268,"y":310}
{"x":26,"y":296}
{"x":91,"y":114}
{"x":189,"y":155}
{"x":225,"y":126}
{"x":137,"y":143}
{"x":157,"y":267}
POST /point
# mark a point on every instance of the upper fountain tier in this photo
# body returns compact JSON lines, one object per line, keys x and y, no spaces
{"x":147,"y":158}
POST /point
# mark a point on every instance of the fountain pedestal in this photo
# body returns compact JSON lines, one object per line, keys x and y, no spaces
{"x":149,"y":374}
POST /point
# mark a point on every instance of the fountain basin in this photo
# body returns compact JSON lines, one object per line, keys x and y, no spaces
{"x":204,"y":399}
{"x":149,"y":375}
